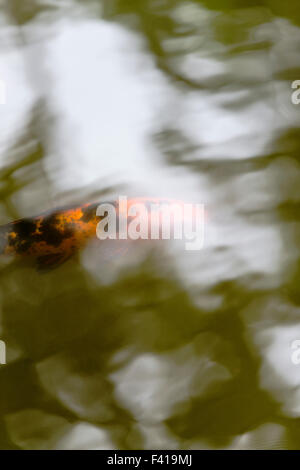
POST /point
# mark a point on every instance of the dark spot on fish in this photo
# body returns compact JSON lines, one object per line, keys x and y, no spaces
{"x":88,"y":213}
{"x":27,"y":233}
{"x":50,"y":234}
{"x":24,"y":228}
{"x":20,"y":246}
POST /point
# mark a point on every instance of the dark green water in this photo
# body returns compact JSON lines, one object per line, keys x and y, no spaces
{"x":155,"y":347}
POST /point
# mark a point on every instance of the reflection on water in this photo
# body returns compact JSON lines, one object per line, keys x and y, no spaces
{"x":155,"y":347}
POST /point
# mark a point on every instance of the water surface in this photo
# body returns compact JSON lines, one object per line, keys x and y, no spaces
{"x":156,"y":347}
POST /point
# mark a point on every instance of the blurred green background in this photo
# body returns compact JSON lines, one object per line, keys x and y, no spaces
{"x":154,"y":347}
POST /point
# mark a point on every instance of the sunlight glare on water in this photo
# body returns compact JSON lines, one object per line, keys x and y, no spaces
{"x":153,"y":346}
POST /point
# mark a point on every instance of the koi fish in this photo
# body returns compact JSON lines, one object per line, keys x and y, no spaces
{"x":53,"y":237}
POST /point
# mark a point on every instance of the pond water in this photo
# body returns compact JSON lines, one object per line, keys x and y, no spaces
{"x":153,"y":346}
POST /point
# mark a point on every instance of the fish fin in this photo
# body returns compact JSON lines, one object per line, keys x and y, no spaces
{"x":52,"y":261}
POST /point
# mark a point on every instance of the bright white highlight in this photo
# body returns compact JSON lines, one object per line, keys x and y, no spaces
{"x":159,"y":221}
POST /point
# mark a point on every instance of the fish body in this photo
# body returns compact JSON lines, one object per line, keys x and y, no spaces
{"x":52,"y":237}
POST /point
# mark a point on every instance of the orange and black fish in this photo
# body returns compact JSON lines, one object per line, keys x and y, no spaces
{"x":52,"y":237}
